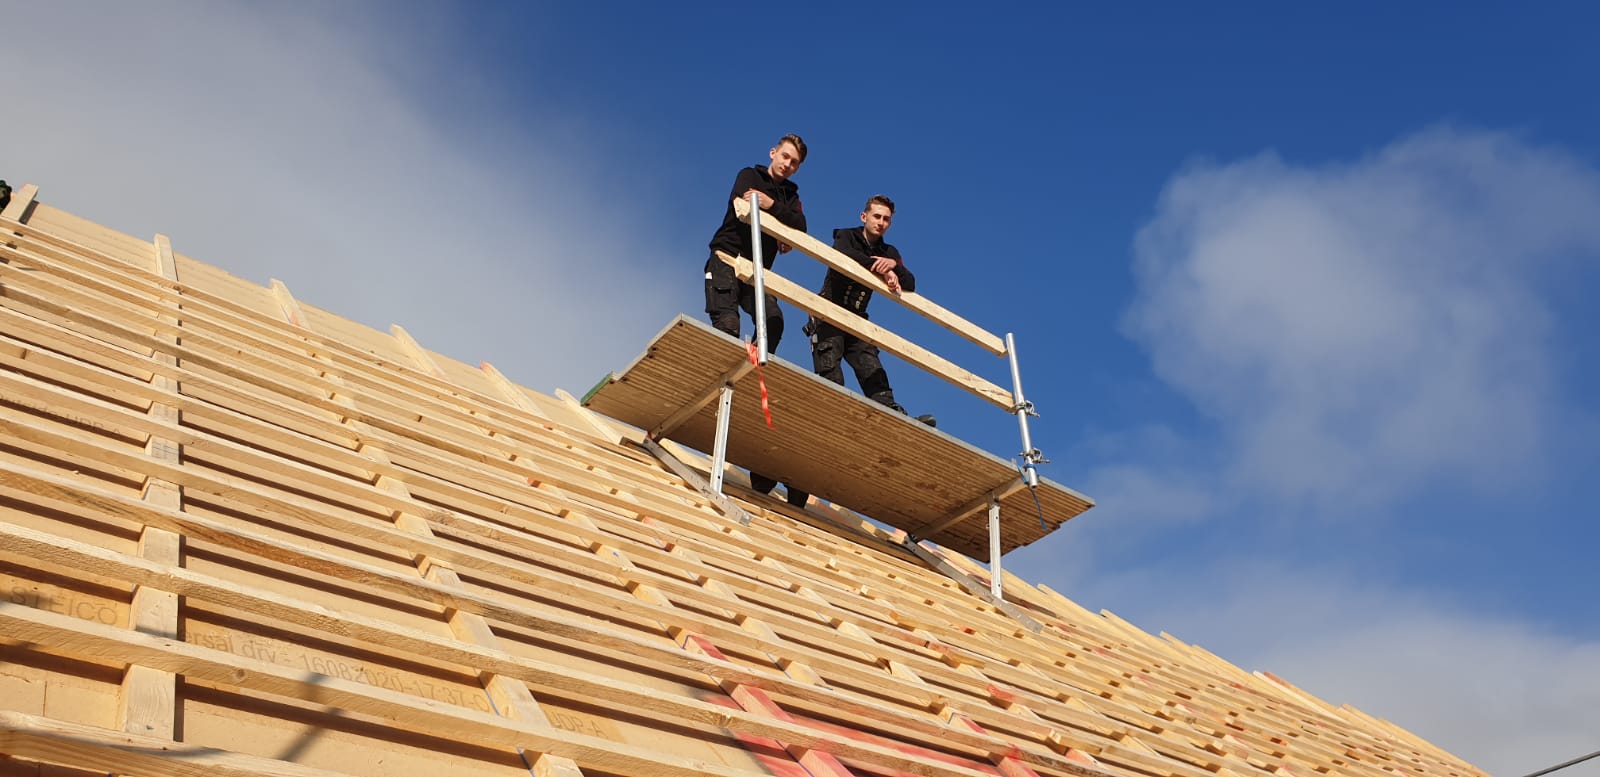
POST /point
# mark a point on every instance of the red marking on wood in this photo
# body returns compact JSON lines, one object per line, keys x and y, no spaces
{"x":899,"y":746}
{"x":1002,"y":695}
{"x":1010,"y":762}
{"x":768,"y":752}
{"x":819,"y":763}
{"x":695,"y":643}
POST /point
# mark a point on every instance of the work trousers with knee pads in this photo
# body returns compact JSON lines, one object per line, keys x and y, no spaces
{"x":832,"y":345}
{"x":726,"y":294}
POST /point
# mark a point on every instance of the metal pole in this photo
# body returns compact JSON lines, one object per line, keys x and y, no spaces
{"x":1030,"y":455}
{"x":759,"y":278}
{"x":994,"y":550}
{"x":719,"y":450}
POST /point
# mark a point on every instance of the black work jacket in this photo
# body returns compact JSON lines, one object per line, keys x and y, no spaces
{"x":840,"y":290}
{"x":734,"y":235}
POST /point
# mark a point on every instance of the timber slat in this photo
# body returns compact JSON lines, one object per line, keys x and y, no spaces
{"x":464,"y":556}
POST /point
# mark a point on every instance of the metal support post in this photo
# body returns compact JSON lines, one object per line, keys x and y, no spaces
{"x":719,"y":454}
{"x":758,"y":278}
{"x":994,"y":550}
{"x":1030,"y":455}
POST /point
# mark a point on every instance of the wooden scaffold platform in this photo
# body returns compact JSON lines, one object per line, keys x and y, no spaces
{"x":835,"y":444}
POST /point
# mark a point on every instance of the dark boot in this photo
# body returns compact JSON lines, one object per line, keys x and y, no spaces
{"x":762,"y":483}
{"x":798,"y":498}
{"x":886,"y":398}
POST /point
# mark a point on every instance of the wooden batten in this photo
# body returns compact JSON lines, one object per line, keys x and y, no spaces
{"x":832,"y":259}
{"x":241,"y":535}
{"x":813,"y":304}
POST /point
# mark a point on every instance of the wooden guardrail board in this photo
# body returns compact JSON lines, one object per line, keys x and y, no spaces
{"x":830,"y":442}
{"x":814,"y":304}
{"x":833,"y":259}
{"x":391,"y":564}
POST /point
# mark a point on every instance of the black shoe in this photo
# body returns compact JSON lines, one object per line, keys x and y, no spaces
{"x":762,"y":483}
{"x":797,"y":497}
{"x":928,"y":419}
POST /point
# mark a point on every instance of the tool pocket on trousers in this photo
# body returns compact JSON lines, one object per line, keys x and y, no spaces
{"x":825,"y":356}
{"x":721,"y":295}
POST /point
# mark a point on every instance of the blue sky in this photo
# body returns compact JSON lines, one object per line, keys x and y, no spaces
{"x":1303,"y":293}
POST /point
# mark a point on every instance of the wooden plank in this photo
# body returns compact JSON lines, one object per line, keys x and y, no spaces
{"x":148,"y":703}
{"x":21,"y":199}
{"x":128,"y":250}
{"x":826,"y":254}
{"x":385,"y":378}
{"x":348,"y":487}
{"x":692,"y":408}
{"x":53,"y":632}
{"x":220,"y":356}
{"x":512,"y":698}
{"x":969,"y":509}
{"x":697,"y":481}
{"x":830,"y":442}
{"x":278,"y":606}
{"x":417,"y":352}
{"x":353,"y":626}
{"x":90,"y":747}
{"x":930,"y":362}
{"x":776,"y":592}
{"x":818,"y":762}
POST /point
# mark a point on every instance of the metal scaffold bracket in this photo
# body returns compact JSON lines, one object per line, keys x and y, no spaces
{"x":994,"y":550}
{"x":719,"y":453}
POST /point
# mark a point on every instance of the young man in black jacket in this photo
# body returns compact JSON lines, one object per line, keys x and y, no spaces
{"x":830,"y":344}
{"x":780,"y":199}
{"x":725,"y":293}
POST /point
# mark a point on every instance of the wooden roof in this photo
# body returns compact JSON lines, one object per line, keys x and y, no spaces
{"x":240,"y":535}
{"x":832,"y":443}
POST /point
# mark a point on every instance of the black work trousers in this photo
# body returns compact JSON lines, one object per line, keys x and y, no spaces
{"x":831,"y":345}
{"x":726,"y":294}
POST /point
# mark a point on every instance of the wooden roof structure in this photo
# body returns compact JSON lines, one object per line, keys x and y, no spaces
{"x":831,"y":442}
{"x":240,"y":535}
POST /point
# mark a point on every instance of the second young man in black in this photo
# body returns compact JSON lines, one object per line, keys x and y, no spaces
{"x":830,"y":344}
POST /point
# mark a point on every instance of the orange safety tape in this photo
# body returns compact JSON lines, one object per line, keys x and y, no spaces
{"x":761,"y":379}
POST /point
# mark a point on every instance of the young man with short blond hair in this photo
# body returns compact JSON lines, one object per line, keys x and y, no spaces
{"x":780,"y":199}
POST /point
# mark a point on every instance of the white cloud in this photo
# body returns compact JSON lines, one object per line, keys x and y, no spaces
{"x":1359,"y":331}
{"x":296,"y":142}
{"x":1503,"y":694}
{"x":1358,"y":336}
{"x":1163,"y":486}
